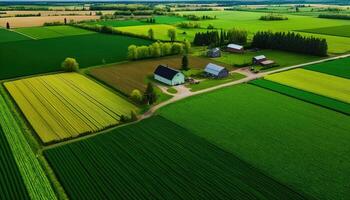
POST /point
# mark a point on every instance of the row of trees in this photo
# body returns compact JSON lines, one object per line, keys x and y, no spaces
{"x":157,"y":49}
{"x":189,"y":25}
{"x":290,"y":41}
{"x":273,"y":17}
{"x":148,"y":97}
{"x":197,"y":18}
{"x":334,"y":16}
{"x":220,"y":38}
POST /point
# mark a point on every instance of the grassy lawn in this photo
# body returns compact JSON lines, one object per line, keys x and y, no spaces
{"x":172,"y":90}
{"x":207,"y":83}
{"x":340,"y":67}
{"x":282,"y":58}
{"x":45,"y":32}
{"x":343,"y":31}
{"x":11,"y":36}
{"x":128,"y":76}
{"x":304,"y":95}
{"x":300,"y":144}
{"x":158,"y":158}
{"x":315,"y":82}
{"x":30,"y":57}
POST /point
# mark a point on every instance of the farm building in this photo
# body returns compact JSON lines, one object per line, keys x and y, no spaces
{"x":216,"y":71}
{"x":262,"y":60}
{"x":168,"y":75}
{"x":214,"y":53}
{"x":235,"y":48}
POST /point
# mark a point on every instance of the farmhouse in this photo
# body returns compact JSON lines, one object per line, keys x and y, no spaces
{"x":262,"y":60}
{"x":216,"y":71}
{"x":168,"y":75}
{"x":235,"y":48}
{"x":214,"y":53}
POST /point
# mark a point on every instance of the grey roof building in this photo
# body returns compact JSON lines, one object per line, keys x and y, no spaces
{"x":216,"y":71}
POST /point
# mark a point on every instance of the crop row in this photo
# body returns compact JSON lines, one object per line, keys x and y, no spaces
{"x":35,"y":180}
{"x":65,"y":105}
{"x":157,"y":159}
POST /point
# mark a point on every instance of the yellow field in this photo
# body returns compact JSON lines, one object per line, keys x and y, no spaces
{"x":315,"y":82}
{"x":63,"y":106}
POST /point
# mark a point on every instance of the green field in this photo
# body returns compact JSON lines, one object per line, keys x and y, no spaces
{"x":343,"y":31}
{"x":11,"y":183}
{"x":159,"y":159}
{"x":303,"y":95}
{"x":315,"y":82}
{"x":169,"y":19}
{"x":40,"y":56}
{"x":45,"y":32}
{"x":300,"y":144}
{"x":34,"y":177}
{"x":118,"y":23}
{"x":11,"y":36}
{"x":340,"y":67}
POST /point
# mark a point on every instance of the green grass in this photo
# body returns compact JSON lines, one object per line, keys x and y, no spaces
{"x":207,"y":83}
{"x":282,"y":58}
{"x":315,"y":82}
{"x":340,"y":67}
{"x":11,"y":183}
{"x":169,"y":19}
{"x":300,"y":144}
{"x":343,"y":31}
{"x":45,"y":32}
{"x":159,"y":159}
{"x":172,"y":90}
{"x":36,"y":182}
{"x":11,"y":36}
{"x":41,"y":56}
{"x":303,"y":95}
{"x":118,"y":23}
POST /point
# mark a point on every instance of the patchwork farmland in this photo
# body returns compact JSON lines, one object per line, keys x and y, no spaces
{"x":340,"y":68}
{"x":63,"y":106}
{"x":93,"y":168}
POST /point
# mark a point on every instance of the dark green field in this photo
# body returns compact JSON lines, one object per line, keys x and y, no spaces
{"x":340,"y":67}
{"x":157,"y":159}
{"x":300,"y":144}
{"x":304,"y":95}
{"x":39,"y":56}
{"x":11,"y":183}
{"x":10,"y":36}
{"x":343,"y":31}
{"x":118,"y":23}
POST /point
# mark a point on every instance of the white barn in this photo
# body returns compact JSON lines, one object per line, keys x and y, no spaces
{"x":168,"y":75}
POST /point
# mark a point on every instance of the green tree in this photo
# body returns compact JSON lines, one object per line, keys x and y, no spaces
{"x":132,"y":52}
{"x":177,"y":48}
{"x":166,"y":50}
{"x":187,"y":47}
{"x":155,"y":50}
{"x":133,"y":116}
{"x":151,"y":33}
{"x":70,"y":65}
{"x":150,"y":95}
{"x":8,"y":25}
{"x":136,"y":96}
{"x":185,"y":63}
{"x":172,"y":34}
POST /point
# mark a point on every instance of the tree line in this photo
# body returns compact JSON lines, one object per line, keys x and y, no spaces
{"x":220,"y":38}
{"x":290,"y":41}
{"x":334,"y":16}
{"x":158,"y":49}
{"x":273,"y":17}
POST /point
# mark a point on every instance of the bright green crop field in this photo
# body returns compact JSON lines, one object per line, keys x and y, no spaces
{"x":304,"y":95}
{"x":11,"y":36}
{"x":315,"y":82}
{"x":343,"y":31}
{"x":118,"y":23}
{"x":340,"y":67}
{"x":44,"y":32}
{"x":300,"y":144}
{"x":40,"y":56}
{"x":159,"y":159}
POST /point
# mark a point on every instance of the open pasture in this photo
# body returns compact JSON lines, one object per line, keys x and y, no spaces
{"x":45,"y":32}
{"x":315,"y":82}
{"x":343,"y":31}
{"x":304,"y":95}
{"x":34,"y":178}
{"x":159,"y":159}
{"x":339,"y":67}
{"x":11,"y":36}
{"x":30,"y":57}
{"x":126,"y":77}
{"x":64,"y":106}
{"x":282,"y":136}
{"x":118,"y":23}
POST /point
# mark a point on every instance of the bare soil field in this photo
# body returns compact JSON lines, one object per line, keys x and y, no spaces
{"x":17,"y":22}
{"x":128,"y":76}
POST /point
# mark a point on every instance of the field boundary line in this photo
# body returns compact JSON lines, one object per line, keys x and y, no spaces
{"x":31,"y":37}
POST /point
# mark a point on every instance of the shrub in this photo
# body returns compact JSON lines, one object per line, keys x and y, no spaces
{"x":136,"y":96}
{"x":273,"y":17}
{"x":70,"y":65}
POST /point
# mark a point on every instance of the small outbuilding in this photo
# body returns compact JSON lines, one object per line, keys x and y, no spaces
{"x":262,"y":60}
{"x":169,"y":75}
{"x":235,"y":48}
{"x":216,"y":71}
{"x":214,"y":53}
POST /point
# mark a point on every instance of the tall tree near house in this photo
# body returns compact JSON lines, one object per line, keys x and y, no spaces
{"x":185,"y":63}
{"x":8,"y":25}
{"x":150,"y":95}
{"x":172,"y":34}
{"x":151,"y":33}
